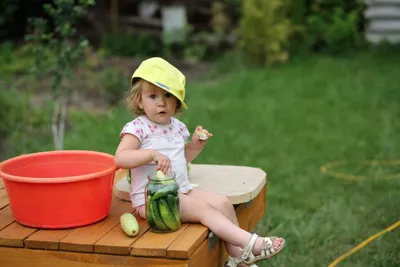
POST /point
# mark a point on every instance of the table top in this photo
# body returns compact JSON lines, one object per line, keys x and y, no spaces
{"x":106,"y":235}
{"x":239,"y":183}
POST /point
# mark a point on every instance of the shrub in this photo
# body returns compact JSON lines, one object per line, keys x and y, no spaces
{"x":335,"y":26}
{"x":128,"y":45}
{"x":11,"y":111}
{"x":265,"y":30}
{"x":114,"y":85}
{"x":21,"y":124}
{"x":12,"y":60}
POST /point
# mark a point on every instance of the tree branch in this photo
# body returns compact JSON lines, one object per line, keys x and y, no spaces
{"x":55,"y":130}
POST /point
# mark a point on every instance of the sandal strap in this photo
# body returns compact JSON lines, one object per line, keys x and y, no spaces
{"x":267,"y":248}
{"x":233,"y":261}
{"x":249,"y":248}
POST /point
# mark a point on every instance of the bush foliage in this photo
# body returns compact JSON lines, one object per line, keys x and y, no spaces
{"x":265,"y":31}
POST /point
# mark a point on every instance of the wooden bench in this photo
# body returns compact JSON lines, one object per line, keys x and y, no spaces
{"x":103,"y":244}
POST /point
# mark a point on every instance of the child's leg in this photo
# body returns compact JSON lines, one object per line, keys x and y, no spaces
{"x":197,"y":210}
{"x":217,"y":201}
{"x":140,"y":211}
{"x":223,"y":205}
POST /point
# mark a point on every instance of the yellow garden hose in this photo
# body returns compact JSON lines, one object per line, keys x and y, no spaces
{"x":363,"y":244}
{"x":326,"y":170}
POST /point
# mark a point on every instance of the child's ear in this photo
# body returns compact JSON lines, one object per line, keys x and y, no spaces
{"x":140,"y":103}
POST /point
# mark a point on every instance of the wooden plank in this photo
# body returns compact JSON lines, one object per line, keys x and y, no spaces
{"x":205,"y":256}
{"x":14,"y":235}
{"x":3,"y":199}
{"x":257,"y":209}
{"x":117,"y":242}
{"x":155,"y":244}
{"x":243,"y":220}
{"x":47,"y":239}
{"x":83,"y":238}
{"x":249,"y":214}
{"x":223,"y":254}
{"x":3,"y":195}
{"x":12,"y":257}
{"x":6,"y":217}
{"x":187,"y":242}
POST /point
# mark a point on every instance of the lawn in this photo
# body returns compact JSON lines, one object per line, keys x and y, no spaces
{"x":289,"y":120}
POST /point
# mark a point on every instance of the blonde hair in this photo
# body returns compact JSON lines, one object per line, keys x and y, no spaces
{"x":133,"y":98}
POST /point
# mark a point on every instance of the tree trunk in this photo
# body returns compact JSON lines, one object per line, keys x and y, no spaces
{"x":54,"y":124}
{"x":60,"y":112}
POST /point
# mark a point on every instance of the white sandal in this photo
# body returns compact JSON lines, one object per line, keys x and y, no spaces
{"x":235,"y":261}
{"x":267,"y":250}
{"x":247,"y":256}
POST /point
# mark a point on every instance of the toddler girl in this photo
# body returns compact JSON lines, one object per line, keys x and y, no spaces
{"x":155,"y":140}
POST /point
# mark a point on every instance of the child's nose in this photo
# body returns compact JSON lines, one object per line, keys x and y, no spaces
{"x":162,"y":101}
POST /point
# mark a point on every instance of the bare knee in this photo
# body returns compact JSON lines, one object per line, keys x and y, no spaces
{"x":192,"y":209}
{"x":223,"y":204}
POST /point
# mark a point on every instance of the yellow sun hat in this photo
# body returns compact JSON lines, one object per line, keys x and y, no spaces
{"x":164,"y":75}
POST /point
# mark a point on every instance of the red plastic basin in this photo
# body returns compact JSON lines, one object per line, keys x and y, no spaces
{"x":59,"y":189}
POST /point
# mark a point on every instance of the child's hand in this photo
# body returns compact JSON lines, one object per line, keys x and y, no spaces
{"x":199,"y":140}
{"x":163,"y":163}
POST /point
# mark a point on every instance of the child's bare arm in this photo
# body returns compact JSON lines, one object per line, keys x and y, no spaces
{"x":191,"y":152}
{"x":193,"y":149}
{"x":128,"y":156}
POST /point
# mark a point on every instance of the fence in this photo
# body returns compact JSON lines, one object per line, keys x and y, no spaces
{"x":383,"y":18}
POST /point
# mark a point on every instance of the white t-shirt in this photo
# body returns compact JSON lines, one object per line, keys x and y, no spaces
{"x":169,"y":140}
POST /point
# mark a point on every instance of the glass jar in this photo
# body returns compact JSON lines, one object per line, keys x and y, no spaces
{"x":162,"y":204}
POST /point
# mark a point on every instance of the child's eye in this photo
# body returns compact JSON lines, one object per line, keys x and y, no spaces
{"x":153,"y":96}
{"x":168,"y":95}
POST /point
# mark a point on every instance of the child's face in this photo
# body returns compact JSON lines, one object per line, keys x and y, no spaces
{"x":158,"y":104}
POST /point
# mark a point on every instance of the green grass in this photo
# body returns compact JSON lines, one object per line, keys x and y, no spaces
{"x":289,"y":120}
